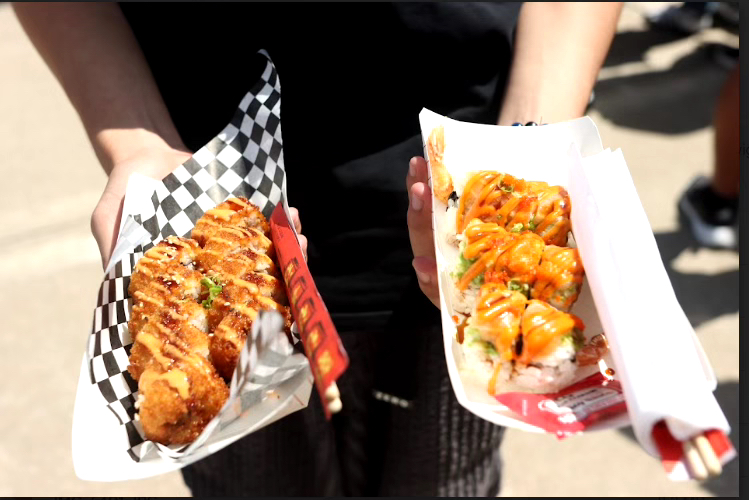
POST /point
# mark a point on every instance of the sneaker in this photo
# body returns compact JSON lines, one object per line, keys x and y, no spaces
{"x":725,"y":57}
{"x":681,"y":20}
{"x":712,"y":218}
{"x":728,"y":12}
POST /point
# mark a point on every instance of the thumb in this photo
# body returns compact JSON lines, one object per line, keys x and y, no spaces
{"x":105,"y":223}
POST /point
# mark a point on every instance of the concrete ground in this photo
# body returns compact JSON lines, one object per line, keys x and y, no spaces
{"x":654,"y":101}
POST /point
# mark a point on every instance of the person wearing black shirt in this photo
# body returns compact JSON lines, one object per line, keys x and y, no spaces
{"x":153,"y":82}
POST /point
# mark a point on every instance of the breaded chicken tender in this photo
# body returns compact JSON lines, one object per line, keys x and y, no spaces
{"x":172,"y":329}
{"x":233,"y":314}
{"x":236,"y":251}
{"x":194,"y":303}
{"x":169,"y":263}
{"x":236,"y":212}
{"x":180,"y":391}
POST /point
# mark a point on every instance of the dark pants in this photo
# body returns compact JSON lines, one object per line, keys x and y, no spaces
{"x":432,"y":447}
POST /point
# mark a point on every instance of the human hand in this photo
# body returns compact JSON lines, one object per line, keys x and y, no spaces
{"x":153,"y":161}
{"x":298,"y":226}
{"x":420,"y":228}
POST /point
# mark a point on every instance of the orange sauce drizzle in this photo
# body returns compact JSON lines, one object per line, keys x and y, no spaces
{"x":501,"y":198}
{"x":541,"y":329}
{"x":493,"y":380}
{"x":500,"y":251}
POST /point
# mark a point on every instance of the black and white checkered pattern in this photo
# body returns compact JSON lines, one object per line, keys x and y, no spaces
{"x":245,"y":159}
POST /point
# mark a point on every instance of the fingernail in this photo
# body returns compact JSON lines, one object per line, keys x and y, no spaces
{"x":411,"y":169}
{"x":416,"y":202}
{"x":423,"y":277}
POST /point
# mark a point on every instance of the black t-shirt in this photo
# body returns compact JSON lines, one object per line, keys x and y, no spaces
{"x":353,"y":79}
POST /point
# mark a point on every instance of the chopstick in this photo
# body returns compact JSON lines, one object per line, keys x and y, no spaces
{"x":697,"y":452}
{"x":333,"y":398}
{"x":694,"y":460}
{"x":709,"y":461}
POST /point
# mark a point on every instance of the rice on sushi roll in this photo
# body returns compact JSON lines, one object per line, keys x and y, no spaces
{"x":520,"y":344}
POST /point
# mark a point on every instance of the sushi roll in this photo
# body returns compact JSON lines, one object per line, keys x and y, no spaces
{"x":179,"y":390}
{"x":551,"y":219}
{"x":517,"y":205}
{"x":484,"y":193}
{"x":230,"y":316}
{"x":171,"y":265}
{"x":559,"y":278}
{"x":520,"y":344}
{"x":545,"y":353}
{"x":489,"y":253}
{"x":491,"y":331}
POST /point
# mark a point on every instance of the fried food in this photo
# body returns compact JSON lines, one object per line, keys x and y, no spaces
{"x":170,"y":263}
{"x":194,"y":303}
{"x":231,"y":317}
{"x":235,"y":212}
{"x":235,"y":251}
{"x":179,"y":389}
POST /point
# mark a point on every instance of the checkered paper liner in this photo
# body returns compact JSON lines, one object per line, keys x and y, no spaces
{"x":245,"y":159}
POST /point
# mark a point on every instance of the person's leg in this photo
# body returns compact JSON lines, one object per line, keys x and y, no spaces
{"x":422,"y":442}
{"x":295,"y":456}
{"x":726,"y":125}
{"x":710,"y":205}
{"x":434,"y":446}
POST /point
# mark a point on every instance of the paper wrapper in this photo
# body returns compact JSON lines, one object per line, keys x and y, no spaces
{"x":659,"y":366}
{"x":273,"y":377}
{"x":664,"y":372}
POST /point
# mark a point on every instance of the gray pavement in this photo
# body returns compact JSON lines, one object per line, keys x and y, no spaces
{"x":654,"y":101}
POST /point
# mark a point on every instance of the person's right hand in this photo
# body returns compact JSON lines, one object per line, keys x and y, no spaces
{"x":153,"y":161}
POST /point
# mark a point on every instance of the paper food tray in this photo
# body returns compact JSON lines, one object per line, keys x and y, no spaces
{"x":555,"y":154}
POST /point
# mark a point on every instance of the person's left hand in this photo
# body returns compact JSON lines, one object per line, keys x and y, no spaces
{"x":420,"y":228}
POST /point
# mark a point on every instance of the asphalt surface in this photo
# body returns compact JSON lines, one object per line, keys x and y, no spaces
{"x":654,"y":101}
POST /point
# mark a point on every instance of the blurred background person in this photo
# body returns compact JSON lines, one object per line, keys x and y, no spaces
{"x":692,"y":17}
{"x":711,"y":204}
